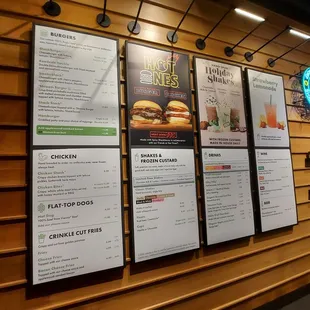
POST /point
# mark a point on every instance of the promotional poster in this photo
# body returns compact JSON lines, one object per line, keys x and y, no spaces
{"x":75,"y":88}
{"x":221,"y":104}
{"x":268,"y":109}
{"x":276,"y":189}
{"x":76,"y":214}
{"x":164,"y":202}
{"x":227,"y":193}
{"x":159,"y":97}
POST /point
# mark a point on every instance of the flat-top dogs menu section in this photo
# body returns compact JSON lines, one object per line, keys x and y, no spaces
{"x":76,"y":188}
{"x":224,"y":154}
{"x":275,"y":182}
{"x":159,"y":97}
{"x":162,"y":161}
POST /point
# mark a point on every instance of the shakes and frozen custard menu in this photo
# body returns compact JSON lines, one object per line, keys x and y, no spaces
{"x":221,"y":104}
{"x":159,"y":97}
{"x":164,"y":198}
{"x":75,"y":88}
{"x":268,"y":109}
{"x":276,"y":188}
{"x":77,"y":218}
{"x":228,"y":197}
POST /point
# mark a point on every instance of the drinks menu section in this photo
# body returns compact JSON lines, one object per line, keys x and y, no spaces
{"x":75,"y":88}
{"x":268,"y":109}
{"x":276,"y":189}
{"x":165,"y":217}
{"x":221,"y":104}
{"x":77,"y":218}
{"x":228,"y":197}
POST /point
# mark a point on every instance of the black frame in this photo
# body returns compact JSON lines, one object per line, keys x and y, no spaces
{"x":132,"y":250}
{"x":48,"y":147}
{"x":254,"y":148}
{"x":202,"y":192}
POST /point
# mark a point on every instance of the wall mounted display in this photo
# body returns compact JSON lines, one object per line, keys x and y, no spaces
{"x":77,"y":219}
{"x":76,"y":183}
{"x":220,"y":98}
{"x":164,"y":202}
{"x":305,"y":81}
{"x":162,"y":161}
{"x":159,"y":97}
{"x":276,"y":188}
{"x":268,"y":109}
{"x":224,"y":156}
{"x":228,"y":196}
{"x":75,"y":88}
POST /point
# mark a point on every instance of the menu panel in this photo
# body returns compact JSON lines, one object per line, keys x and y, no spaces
{"x":221,"y":104}
{"x":228,"y":197}
{"x":165,"y":217}
{"x":276,"y":189}
{"x":159,"y":97}
{"x":77,"y":218}
{"x":268,"y":109}
{"x":75,"y":88}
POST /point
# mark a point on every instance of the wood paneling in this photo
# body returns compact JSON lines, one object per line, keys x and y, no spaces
{"x":237,"y":274}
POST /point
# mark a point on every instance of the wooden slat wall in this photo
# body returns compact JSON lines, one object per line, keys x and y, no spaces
{"x":238,"y":275}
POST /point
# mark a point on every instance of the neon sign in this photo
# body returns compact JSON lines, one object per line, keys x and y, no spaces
{"x":306,"y":84}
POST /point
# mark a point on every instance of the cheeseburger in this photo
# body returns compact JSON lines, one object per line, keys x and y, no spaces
{"x":177,"y":113}
{"x":146,"y":112}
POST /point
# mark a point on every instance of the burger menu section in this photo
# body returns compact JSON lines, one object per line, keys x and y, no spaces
{"x":276,"y":189}
{"x":224,"y":155}
{"x":228,"y":196}
{"x":76,"y":184}
{"x":165,"y":217}
{"x":77,"y":218}
{"x":75,"y":88}
{"x":159,"y":97}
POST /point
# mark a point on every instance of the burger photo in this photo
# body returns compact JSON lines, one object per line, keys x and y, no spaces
{"x":146,"y":112}
{"x":177,"y":113}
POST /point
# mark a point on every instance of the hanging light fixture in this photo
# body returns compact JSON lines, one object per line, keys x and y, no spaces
{"x":103,"y":19}
{"x":52,"y":8}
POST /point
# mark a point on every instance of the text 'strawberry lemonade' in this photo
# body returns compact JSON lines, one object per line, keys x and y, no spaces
{"x":271,"y":115}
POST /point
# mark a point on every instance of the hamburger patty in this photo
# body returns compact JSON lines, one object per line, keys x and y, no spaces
{"x":147,"y":113}
{"x":177,"y":109}
{"x":179,"y":115}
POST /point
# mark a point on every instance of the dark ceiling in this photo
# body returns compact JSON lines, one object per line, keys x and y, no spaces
{"x":299,"y":10}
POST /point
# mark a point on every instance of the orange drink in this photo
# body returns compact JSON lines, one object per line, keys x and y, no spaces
{"x":271,"y":115}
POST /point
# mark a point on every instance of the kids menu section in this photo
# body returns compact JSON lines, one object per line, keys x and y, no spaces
{"x":75,"y":88}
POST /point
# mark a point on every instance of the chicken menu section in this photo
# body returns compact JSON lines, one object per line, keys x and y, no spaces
{"x":276,"y":188}
{"x":165,"y":217}
{"x":77,"y":218}
{"x":228,"y":197}
{"x":75,"y":88}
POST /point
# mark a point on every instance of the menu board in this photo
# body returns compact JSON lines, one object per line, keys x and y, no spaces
{"x":76,"y":184}
{"x":159,"y":97}
{"x":228,"y":197}
{"x":165,"y":217}
{"x":276,"y":189}
{"x":77,"y":217}
{"x":220,"y":103}
{"x":75,"y":88}
{"x":268,"y":109}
